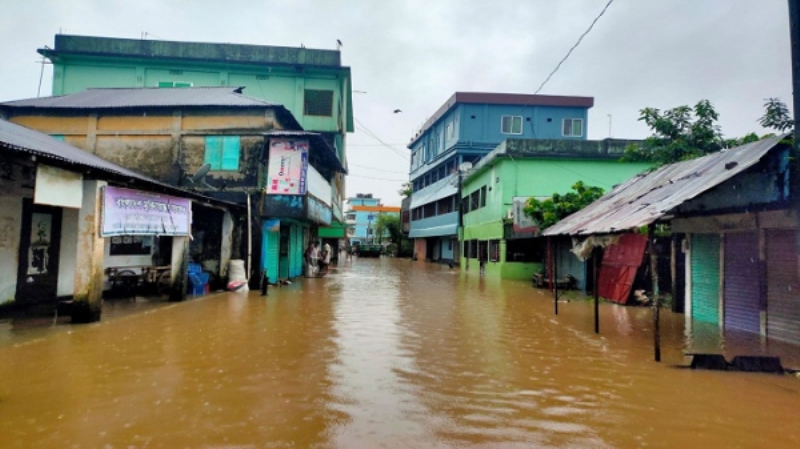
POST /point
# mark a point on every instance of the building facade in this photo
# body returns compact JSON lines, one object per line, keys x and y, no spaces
{"x":211,"y":140}
{"x":67,"y":216}
{"x":362,"y":215}
{"x":496,"y":190}
{"x":311,"y":83}
{"x":467,"y":127}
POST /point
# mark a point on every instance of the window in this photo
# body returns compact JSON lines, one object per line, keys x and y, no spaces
{"x":474,"y":200}
{"x":318,"y":102}
{"x":222,"y":152}
{"x":131,"y":245}
{"x":511,"y":124}
{"x":573,"y":127}
{"x":175,"y":84}
{"x":449,"y":130}
{"x":525,"y":250}
{"x":483,"y":196}
{"x":494,"y":250}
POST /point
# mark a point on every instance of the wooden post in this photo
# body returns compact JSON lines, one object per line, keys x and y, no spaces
{"x":654,"y":275}
{"x":554,"y":279}
{"x":595,"y":256}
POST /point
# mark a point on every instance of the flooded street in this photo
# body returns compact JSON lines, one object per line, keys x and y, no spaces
{"x":380,"y":353}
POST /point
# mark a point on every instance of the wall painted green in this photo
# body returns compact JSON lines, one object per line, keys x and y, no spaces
{"x":530,"y":177}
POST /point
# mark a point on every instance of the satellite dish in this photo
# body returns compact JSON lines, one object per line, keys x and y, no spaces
{"x":198,"y":178}
{"x":465,"y":166}
{"x":201,"y":173}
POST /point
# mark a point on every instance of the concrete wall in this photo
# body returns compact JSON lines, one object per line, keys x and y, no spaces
{"x":10,"y":230}
{"x":68,"y":252}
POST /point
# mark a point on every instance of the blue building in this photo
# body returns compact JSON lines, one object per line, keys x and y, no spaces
{"x":362,"y":215}
{"x":464,"y":129}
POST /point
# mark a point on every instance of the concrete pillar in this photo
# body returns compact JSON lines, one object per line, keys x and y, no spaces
{"x":180,"y":265}
{"x":227,"y":244}
{"x":87,"y":292}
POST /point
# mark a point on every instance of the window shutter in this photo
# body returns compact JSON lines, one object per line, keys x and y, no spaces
{"x":214,"y":152}
{"x":577,"y":127}
{"x":230,"y":152}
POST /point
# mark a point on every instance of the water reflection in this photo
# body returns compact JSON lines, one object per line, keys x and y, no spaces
{"x":384,"y":353}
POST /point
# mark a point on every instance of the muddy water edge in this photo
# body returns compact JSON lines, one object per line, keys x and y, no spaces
{"x":380,"y":353}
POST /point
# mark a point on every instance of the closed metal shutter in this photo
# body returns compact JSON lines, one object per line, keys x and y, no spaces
{"x":705,"y":277}
{"x":270,"y":250}
{"x":783,"y":287}
{"x":742,"y":282}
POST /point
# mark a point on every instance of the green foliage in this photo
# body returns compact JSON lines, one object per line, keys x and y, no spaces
{"x":679,"y":134}
{"x":548,"y":212}
{"x":405,"y":189}
{"x":684,"y":133}
{"x":776,"y":116}
{"x":388,"y":224}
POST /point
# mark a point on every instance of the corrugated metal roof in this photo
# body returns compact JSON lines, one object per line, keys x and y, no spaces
{"x":25,"y":140}
{"x":645,"y":198}
{"x":145,"y":97}
{"x":327,"y":152}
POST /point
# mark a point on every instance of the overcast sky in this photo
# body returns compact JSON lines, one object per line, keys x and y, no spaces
{"x":412,"y":55}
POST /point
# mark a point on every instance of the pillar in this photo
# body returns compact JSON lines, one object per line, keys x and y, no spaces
{"x":87,"y":292}
{"x":227,"y":244}
{"x":180,"y":268}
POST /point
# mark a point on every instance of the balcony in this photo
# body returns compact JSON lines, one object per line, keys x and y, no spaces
{"x":298,"y":207}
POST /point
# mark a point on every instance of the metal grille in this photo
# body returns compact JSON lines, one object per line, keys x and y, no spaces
{"x":742,"y":282}
{"x":705,"y":278}
{"x":783,"y":287}
{"x":318,"y":102}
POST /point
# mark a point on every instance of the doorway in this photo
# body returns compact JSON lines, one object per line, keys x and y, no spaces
{"x":37,"y":275}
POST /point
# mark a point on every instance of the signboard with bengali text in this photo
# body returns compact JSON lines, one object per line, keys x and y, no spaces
{"x":132,"y":212}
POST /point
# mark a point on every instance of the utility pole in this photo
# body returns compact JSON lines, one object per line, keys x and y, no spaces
{"x":794,"y":174}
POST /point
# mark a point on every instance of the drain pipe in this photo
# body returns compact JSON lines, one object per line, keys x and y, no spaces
{"x":249,"y":238}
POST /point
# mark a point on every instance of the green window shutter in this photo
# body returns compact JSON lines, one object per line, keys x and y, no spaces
{"x":58,"y":137}
{"x":230,"y":152}
{"x":705,"y":277}
{"x":182,"y":84}
{"x":166,"y":84}
{"x":214,"y":152}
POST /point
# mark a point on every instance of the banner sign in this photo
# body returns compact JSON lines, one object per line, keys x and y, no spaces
{"x":523,"y":225}
{"x":131,"y":212}
{"x":287,"y":167}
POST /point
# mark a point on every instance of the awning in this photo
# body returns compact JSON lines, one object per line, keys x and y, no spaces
{"x":436,"y":231}
{"x":447,"y":186}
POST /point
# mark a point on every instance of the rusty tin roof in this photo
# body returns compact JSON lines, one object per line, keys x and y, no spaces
{"x":647,"y":197}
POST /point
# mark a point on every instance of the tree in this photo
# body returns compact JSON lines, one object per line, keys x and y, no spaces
{"x":776,"y":116}
{"x":679,"y":134}
{"x":548,"y":212}
{"x":405,"y":190}
{"x":388,"y":224}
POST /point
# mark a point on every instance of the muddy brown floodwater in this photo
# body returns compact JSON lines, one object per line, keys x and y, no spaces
{"x":380,"y":353}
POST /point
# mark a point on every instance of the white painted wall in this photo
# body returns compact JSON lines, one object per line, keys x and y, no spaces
{"x":318,"y":186}
{"x":10,"y":230}
{"x":68,"y":251}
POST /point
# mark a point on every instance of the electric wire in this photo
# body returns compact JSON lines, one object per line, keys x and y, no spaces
{"x":574,"y":46}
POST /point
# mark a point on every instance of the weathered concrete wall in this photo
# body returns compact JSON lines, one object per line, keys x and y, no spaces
{"x":150,"y":155}
{"x":10,"y":230}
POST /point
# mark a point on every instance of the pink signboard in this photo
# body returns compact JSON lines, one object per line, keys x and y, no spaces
{"x":287,"y":168}
{"x":131,"y":212}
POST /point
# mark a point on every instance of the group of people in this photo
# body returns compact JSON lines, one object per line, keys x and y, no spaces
{"x":318,"y":259}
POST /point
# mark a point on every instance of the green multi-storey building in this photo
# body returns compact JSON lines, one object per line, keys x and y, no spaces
{"x":494,"y":192}
{"x":311,"y":83}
